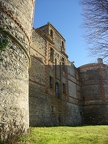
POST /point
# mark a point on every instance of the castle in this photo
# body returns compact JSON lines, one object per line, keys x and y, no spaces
{"x":39,"y":86}
{"x":60,"y":93}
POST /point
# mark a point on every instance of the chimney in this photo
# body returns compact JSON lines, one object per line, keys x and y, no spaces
{"x":100,"y":60}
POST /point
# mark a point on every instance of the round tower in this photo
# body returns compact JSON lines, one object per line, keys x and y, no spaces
{"x":16,"y":18}
{"x":94,"y":92}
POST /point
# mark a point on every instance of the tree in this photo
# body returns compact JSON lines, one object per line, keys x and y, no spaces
{"x":95,"y":14}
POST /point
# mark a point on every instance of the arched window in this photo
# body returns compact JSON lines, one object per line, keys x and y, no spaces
{"x":57,"y":90}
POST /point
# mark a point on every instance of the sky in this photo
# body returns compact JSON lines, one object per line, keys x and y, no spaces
{"x":66,"y":17}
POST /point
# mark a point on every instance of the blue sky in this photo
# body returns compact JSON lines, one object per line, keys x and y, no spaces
{"x":65,"y":16}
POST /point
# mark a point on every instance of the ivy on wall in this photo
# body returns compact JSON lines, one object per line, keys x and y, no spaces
{"x":3,"y":41}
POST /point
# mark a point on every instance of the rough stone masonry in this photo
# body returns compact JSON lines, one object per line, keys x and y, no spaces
{"x":59,"y":93}
{"x":15,"y":36}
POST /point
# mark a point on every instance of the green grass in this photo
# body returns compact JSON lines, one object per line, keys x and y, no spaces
{"x":67,"y":135}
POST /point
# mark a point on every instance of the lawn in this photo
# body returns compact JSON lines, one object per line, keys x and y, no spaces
{"x":67,"y":135}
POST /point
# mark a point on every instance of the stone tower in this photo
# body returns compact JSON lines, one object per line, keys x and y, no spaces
{"x":94,"y":92}
{"x":54,"y":84}
{"x":16,"y":18}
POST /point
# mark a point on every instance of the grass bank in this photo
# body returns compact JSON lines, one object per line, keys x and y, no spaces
{"x":67,"y":135}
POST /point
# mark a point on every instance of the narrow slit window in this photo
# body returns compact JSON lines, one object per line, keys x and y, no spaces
{"x":62,"y":44}
{"x":51,"y":34}
{"x":64,"y":88}
{"x":55,"y":67}
{"x":51,"y":54}
{"x":51,"y":82}
{"x":63,"y":64}
{"x":57,"y":90}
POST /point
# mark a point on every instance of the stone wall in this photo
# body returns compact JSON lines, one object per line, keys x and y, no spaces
{"x":37,"y":80}
{"x":94,"y":87}
{"x":47,"y":108}
{"x":73,"y":106}
{"x":15,"y":59}
{"x":72,"y":113}
{"x":56,"y":37}
{"x":85,"y":88}
{"x":81,"y":93}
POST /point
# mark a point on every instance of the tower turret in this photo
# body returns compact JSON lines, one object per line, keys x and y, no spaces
{"x":15,"y":36}
{"x":94,"y":92}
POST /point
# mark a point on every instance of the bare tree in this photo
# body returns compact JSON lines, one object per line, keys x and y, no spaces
{"x":95,"y":14}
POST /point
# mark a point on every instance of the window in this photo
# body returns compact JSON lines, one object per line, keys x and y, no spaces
{"x":62,"y":61}
{"x":52,"y":109}
{"x":51,"y":82}
{"x":57,"y":90}
{"x":62,"y":44}
{"x":62,"y":47}
{"x":81,"y":113}
{"x":51,"y":34}
{"x":59,"y":118}
{"x":55,"y":67}
{"x":51,"y":54}
{"x":64,"y":88}
{"x":63,"y":64}
{"x":83,"y":98}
